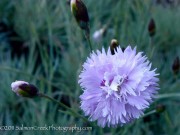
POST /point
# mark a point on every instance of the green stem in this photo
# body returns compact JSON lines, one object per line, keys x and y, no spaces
{"x":89,"y":42}
{"x":168,"y":120}
{"x":87,"y":36}
{"x":150,"y":48}
{"x":170,"y":95}
{"x":152,"y":52}
{"x":153,"y":48}
{"x":63,"y":105}
{"x":149,"y":113}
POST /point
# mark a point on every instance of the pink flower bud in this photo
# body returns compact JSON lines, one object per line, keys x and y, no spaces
{"x":24,"y":89}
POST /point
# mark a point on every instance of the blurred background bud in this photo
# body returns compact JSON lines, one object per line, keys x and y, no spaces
{"x":123,"y":48}
{"x":24,"y":89}
{"x":80,"y":13}
{"x":176,"y":65}
{"x":98,"y":34}
{"x":68,"y":2}
{"x":113,"y":46}
{"x":152,"y":28}
{"x":160,"y":108}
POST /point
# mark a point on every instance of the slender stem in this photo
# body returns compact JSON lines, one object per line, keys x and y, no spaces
{"x":87,"y":36}
{"x":63,"y":105}
{"x":150,"y":47}
{"x":149,"y":113}
{"x":89,"y":42}
{"x":168,"y":119}
{"x":170,"y":95}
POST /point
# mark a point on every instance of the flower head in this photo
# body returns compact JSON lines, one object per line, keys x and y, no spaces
{"x":24,"y":89}
{"x":117,"y":88}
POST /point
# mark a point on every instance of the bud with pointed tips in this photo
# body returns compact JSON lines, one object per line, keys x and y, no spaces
{"x":80,"y":13}
{"x":176,"y":65}
{"x":113,"y":46}
{"x":24,"y":89}
{"x":160,"y":108}
{"x":152,"y":27}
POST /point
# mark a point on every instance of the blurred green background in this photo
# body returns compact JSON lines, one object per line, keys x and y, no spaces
{"x":41,"y":43}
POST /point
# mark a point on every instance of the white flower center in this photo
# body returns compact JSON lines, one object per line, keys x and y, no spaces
{"x":112,"y":83}
{"x":116,"y":83}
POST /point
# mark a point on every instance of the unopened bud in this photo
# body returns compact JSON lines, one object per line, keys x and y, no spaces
{"x":152,"y":28}
{"x":68,"y":2}
{"x":123,"y":49}
{"x":97,"y":35}
{"x":160,"y":108}
{"x":113,"y":46}
{"x":24,"y":89}
{"x":80,"y":13}
{"x":176,"y":65}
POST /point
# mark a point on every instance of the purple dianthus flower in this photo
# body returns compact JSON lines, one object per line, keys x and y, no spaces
{"x":117,"y":88}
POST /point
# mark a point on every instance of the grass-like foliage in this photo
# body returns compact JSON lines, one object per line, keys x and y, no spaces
{"x":41,"y":43}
